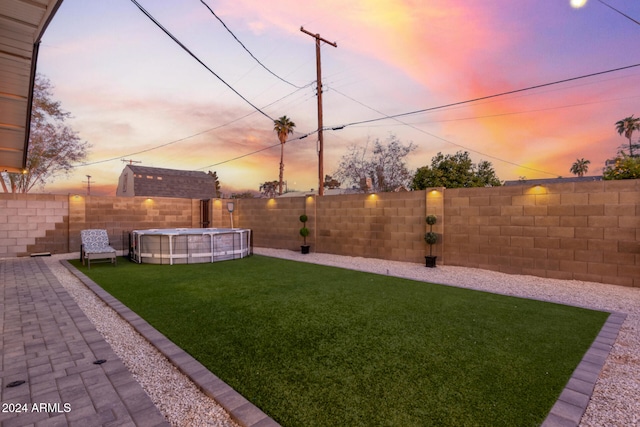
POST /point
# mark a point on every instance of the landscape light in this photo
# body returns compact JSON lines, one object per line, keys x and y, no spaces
{"x":230,"y":208}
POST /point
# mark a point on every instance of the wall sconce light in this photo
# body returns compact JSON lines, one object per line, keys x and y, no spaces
{"x":230,"y":208}
{"x":536,"y":189}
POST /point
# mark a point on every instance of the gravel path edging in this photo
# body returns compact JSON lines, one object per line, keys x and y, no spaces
{"x":574,"y":399}
{"x":239,"y":408}
{"x":613,"y":400}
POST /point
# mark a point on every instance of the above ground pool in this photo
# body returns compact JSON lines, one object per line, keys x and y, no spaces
{"x":189,"y":245}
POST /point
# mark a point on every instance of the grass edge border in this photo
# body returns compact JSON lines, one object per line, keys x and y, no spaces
{"x":574,"y":399}
{"x":567,"y":410}
{"x":237,"y":406}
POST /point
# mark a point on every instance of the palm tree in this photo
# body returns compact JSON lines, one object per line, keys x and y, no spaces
{"x":627,"y":126}
{"x":580,"y":167}
{"x":283,"y":127}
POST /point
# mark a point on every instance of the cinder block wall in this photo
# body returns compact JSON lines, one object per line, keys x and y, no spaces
{"x":274,"y":223}
{"x":29,"y":218}
{"x":582,"y":231}
{"x":120,"y":215}
{"x":33,"y":223}
{"x":386,"y":225}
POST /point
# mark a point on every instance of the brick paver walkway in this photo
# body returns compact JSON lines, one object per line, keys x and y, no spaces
{"x":50,"y":345}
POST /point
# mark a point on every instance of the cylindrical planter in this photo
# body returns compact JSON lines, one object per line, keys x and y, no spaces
{"x":304,"y":249}
{"x":430,"y":261}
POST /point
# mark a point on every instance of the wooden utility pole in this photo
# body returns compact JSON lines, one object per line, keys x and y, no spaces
{"x":319,"y":84}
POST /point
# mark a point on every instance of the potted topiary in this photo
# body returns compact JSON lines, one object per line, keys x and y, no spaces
{"x":304,"y":232}
{"x":431,"y":238}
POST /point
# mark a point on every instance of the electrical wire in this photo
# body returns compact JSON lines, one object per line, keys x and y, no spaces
{"x":190,"y":136}
{"x":508,"y":113}
{"x":247,"y":50}
{"x":621,"y":13}
{"x":446,"y":140}
{"x":482,"y":98}
{"x":386,"y":117}
{"x":396,"y":116}
{"x":258,"y":151}
{"x":186,"y":49}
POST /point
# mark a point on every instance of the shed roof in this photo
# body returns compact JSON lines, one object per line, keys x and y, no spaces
{"x":547,"y":181}
{"x":22,"y":24}
{"x":161,"y":182}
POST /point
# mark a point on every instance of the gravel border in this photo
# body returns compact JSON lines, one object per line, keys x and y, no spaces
{"x":176,"y":396}
{"x":614,"y":401}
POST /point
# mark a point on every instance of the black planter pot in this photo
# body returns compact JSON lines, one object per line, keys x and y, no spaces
{"x":430,"y":261}
{"x":304,"y":249}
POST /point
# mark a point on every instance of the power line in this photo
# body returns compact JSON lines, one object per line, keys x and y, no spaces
{"x":186,"y":49}
{"x":247,"y":50}
{"x":507,"y":113}
{"x":190,"y":136}
{"x":621,"y":13}
{"x":446,"y":140}
{"x":258,"y":151}
{"x":482,"y":98}
{"x":395,"y":117}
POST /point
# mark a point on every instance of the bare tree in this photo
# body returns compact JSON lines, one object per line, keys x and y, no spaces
{"x":54,"y":147}
{"x":269,"y":189}
{"x":383,"y":167}
{"x":330,"y":182}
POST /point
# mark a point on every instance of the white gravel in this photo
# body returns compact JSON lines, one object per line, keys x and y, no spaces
{"x":176,"y":396}
{"x":614,"y":401}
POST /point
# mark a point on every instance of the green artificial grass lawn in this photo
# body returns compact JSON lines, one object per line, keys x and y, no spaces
{"x":320,"y":346}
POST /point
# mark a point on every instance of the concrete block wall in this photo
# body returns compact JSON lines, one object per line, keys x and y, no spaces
{"x":30,"y":223}
{"x":275,"y":222}
{"x":120,"y":215}
{"x":386,"y":225}
{"x":582,"y":231}
{"x":33,"y":223}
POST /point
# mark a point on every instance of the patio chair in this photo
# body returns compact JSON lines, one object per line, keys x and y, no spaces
{"x":95,"y":245}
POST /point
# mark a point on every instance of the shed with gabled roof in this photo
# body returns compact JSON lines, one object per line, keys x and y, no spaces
{"x":143,"y":181}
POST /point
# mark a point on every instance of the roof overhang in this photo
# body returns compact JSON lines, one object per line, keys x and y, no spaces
{"x":22,"y":24}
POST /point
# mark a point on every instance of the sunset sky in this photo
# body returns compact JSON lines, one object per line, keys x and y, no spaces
{"x":134,"y":94}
